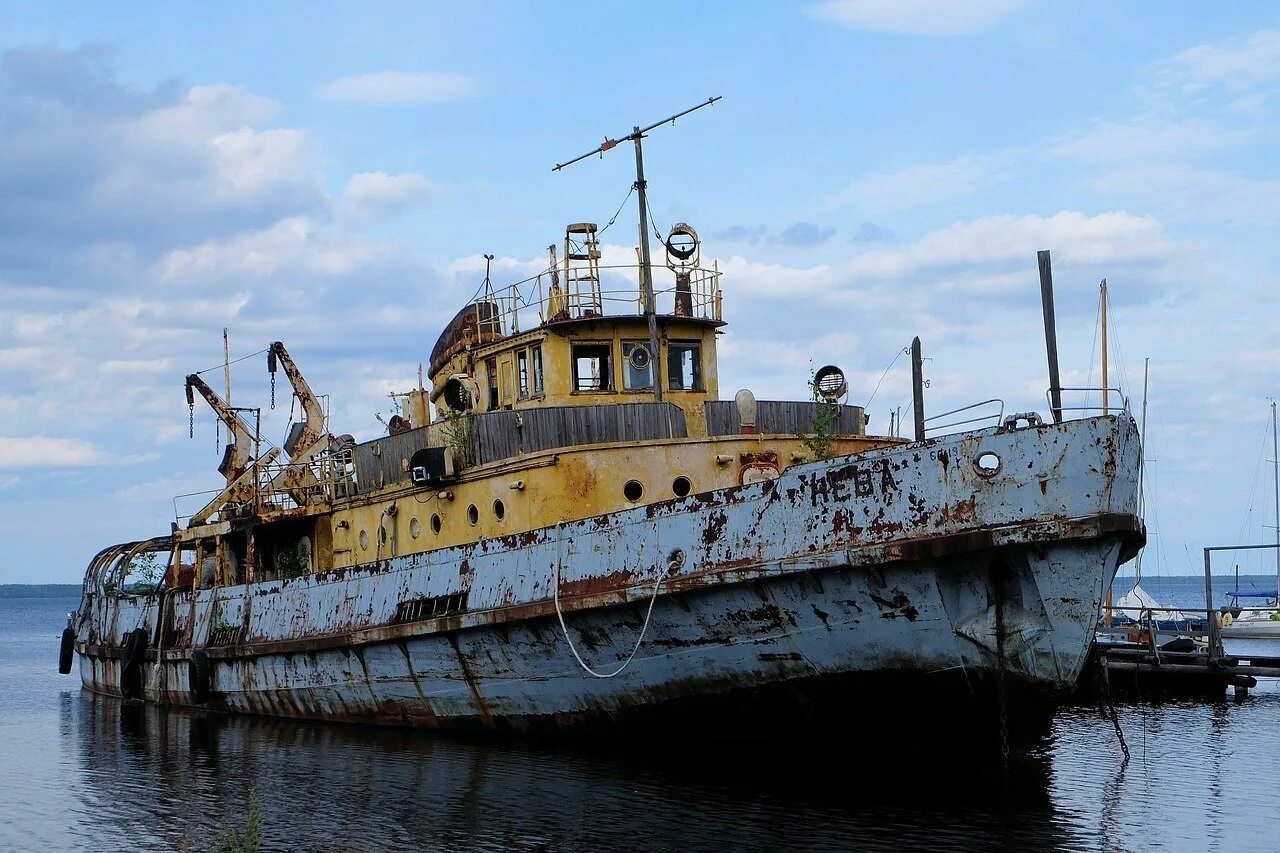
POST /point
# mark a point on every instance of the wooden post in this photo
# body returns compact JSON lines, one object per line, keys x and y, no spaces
{"x":1050,"y":334}
{"x":917,"y":386}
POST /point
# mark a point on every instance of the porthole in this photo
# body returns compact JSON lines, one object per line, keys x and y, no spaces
{"x":473,"y":514}
{"x":435,"y":524}
{"x":988,"y":464}
{"x":415,"y":529}
{"x":364,"y":540}
{"x":499,"y":510}
{"x":681,"y":486}
{"x":633,"y":490}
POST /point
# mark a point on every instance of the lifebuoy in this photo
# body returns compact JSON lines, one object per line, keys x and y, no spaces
{"x":131,"y":663}
{"x":66,"y":651}
{"x":198,"y":677}
{"x":1227,"y":619}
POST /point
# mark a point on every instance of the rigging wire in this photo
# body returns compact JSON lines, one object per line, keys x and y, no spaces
{"x":876,"y":390}
{"x":233,"y":361}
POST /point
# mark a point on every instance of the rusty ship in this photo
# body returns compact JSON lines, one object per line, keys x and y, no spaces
{"x":566,"y":528}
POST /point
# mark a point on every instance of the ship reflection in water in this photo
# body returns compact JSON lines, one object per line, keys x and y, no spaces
{"x":331,"y":787}
{"x":134,"y":777}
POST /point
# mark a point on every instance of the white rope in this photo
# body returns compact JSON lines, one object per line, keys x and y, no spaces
{"x":657,"y":584}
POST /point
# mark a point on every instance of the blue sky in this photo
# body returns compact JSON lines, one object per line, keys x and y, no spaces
{"x":331,"y":176}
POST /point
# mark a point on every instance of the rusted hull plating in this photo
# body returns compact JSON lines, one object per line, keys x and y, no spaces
{"x":908,"y":560}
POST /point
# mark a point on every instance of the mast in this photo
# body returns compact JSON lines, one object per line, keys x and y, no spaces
{"x":1142,"y":462}
{"x":646,"y":270}
{"x":1102,"y":308}
{"x":1275,"y":473}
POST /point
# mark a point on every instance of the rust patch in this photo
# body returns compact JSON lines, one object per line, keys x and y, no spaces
{"x":611,"y":582}
{"x":715,"y":527}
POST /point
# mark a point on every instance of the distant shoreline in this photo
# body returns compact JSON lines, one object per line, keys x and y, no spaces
{"x":39,"y":590}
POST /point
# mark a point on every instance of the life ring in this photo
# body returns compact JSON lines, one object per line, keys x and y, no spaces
{"x":1227,"y":619}
{"x":198,"y":677}
{"x":66,"y":651}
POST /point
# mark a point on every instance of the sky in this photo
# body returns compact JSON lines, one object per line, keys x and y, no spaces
{"x":331,"y":175}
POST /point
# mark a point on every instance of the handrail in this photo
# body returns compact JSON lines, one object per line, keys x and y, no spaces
{"x":1124,"y":400}
{"x":997,"y":417}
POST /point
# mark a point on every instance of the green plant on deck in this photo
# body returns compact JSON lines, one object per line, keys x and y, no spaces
{"x":459,"y":437}
{"x":293,"y":560}
{"x":144,"y":572}
{"x":823,"y":427}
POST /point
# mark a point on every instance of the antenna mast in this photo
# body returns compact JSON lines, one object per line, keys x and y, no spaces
{"x":646,"y":269}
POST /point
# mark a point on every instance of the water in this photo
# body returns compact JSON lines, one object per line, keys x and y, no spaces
{"x":77,"y":773}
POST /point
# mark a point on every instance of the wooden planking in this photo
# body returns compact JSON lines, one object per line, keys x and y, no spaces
{"x":779,"y":417}
{"x":501,"y":435}
{"x":506,"y":434}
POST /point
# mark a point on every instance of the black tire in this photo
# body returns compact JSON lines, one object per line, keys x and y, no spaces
{"x":131,"y":663}
{"x":67,"y":651}
{"x":199,"y":677}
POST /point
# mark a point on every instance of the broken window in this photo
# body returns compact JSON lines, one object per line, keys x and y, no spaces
{"x":491,"y":370}
{"x":684,"y":366}
{"x":537,"y":369}
{"x":592,"y":370}
{"x":522,"y":372}
{"x":637,"y":367}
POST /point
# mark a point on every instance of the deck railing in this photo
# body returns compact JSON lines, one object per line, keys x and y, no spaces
{"x":551,"y":296}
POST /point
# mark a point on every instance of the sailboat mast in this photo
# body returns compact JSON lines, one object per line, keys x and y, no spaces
{"x":1142,"y":462}
{"x":1275,"y":473}
{"x":1102,"y":309}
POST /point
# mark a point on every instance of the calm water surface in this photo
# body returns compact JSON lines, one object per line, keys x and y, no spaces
{"x":79,"y":772}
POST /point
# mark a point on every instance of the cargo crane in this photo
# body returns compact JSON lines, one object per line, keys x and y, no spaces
{"x":307,"y":438}
{"x":237,"y":465}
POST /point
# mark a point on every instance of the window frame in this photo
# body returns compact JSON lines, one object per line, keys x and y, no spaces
{"x":607,"y":384}
{"x":699,"y":379}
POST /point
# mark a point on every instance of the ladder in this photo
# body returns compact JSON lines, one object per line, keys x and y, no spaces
{"x":582,"y":270}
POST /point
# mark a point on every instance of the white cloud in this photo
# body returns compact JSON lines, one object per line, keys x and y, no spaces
{"x":399,"y":87}
{"x":1143,"y":138}
{"x":373,"y":194}
{"x":39,"y":451}
{"x":917,"y":17}
{"x":1236,"y":62}
{"x":922,"y":184}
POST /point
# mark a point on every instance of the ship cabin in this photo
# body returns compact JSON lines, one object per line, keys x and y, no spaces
{"x":585,"y":390}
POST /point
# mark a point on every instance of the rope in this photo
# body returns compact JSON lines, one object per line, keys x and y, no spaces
{"x":616,"y":213}
{"x":653,"y":598}
{"x":233,"y":361}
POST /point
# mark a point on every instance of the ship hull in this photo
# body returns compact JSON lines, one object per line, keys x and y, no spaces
{"x":875,"y":589}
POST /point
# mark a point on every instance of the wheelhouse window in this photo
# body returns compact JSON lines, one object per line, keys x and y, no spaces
{"x":522,"y":372}
{"x":637,"y":365}
{"x":684,"y":366}
{"x":491,"y":373}
{"x":536,"y":357}
{"x":593,"y":367}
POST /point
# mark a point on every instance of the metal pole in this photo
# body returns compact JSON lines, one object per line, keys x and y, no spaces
{"x":1102,"y":306}
{"x":917,"y":387}
{"x":646,"y":273}
{"x":1275,"y":462}
{"x":1214,"y":639}
{"x":1050,"y":334}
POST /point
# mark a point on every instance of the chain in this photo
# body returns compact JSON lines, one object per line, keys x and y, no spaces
{"x":191,"y":420}
{"x":273,"y":392}
{"x":616,"y":213}
{"x":1111,"y":708}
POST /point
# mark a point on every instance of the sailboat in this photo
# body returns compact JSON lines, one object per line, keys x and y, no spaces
{"x":1263,"y":621}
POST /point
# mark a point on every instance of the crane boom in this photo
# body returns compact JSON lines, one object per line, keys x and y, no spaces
{"x":243,"y":439}
{"x":312,"y":427}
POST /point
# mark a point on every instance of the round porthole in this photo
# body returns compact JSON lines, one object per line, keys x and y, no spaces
{"x":499,"y":510}
{"x":415,"y":529}
{"x":364,"y":540}
{"x":681,"y":486}
{"x":988,"y":464}
{"x":435,"y":524}
{"x":473,"y":514}
{"x":633,"y":490}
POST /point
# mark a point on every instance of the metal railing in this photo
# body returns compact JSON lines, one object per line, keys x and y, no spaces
{"x":551,"y":296}
{"x":1088,"y":406}
{"x":995,"y":417}
{"x":279,"y":486}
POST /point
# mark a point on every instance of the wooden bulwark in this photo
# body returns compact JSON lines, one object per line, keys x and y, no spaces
{"x":775,"y":417}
